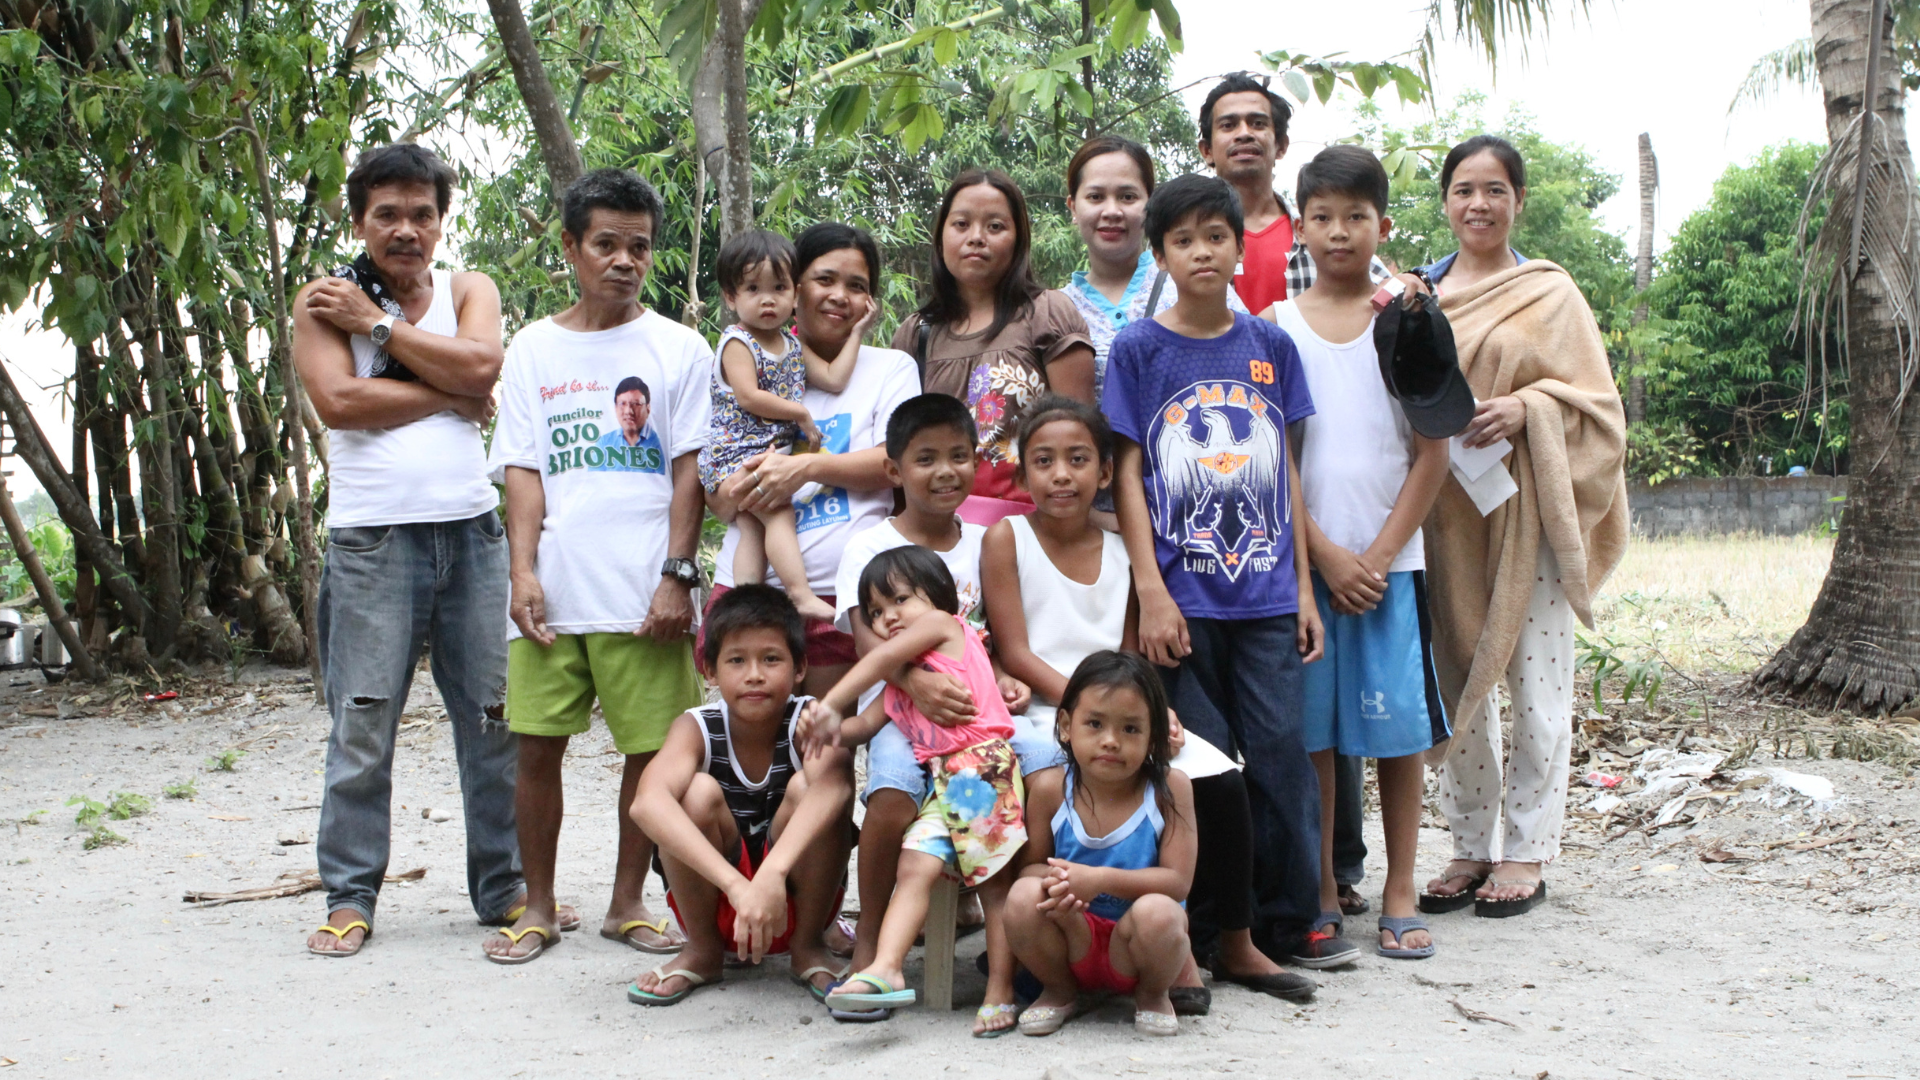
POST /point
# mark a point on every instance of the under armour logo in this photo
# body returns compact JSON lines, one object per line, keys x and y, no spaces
{"x":1374,"y":704}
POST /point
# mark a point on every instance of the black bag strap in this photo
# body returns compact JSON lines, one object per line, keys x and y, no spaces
{"x":1153,"y":297}
{"x":922,"y":334}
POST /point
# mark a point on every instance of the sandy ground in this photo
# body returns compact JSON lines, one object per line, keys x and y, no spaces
{"x":1648,"y":961}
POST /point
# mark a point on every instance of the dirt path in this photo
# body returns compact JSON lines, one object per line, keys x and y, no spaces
{"x":1647,"y":961}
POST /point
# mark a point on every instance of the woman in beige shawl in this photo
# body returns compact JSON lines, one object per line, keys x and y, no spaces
{"x":1516,"y":552}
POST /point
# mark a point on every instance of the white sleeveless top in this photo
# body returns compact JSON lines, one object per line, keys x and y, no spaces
{"x":1068,"y":621}
{"x":433,"y":469}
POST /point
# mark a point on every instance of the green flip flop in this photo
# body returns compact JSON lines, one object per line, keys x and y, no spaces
{"x":887,"y":998}
{"x":695,"y":981}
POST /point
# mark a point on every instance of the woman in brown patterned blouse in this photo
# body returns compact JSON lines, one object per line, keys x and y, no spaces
{"x":992,"y":336}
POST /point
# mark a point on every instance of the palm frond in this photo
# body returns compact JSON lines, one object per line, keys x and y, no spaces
{"x":1790,"y":65}
{"x":1888,"y":249}
{"x":1490,"y":24}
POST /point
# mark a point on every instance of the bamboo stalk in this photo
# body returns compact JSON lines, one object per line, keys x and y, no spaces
{"x":42,"y":584}
{"x":873,"y":56}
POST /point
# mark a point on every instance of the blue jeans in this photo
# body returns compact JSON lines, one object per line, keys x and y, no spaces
{"x":1241,"y":688}
{"x":1349,"y":814}
{"x":891,"y":764}
{"x":387,"y":592}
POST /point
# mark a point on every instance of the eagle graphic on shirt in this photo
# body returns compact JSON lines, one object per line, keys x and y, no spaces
{"x":1222,"y":491}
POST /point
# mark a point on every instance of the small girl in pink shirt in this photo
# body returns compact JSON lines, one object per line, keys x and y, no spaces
{"x":973,"y":821}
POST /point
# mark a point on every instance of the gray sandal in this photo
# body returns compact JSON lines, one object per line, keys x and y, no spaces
{"x":1397,"y":926}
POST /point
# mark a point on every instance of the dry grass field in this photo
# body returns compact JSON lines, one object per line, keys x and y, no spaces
{"x":1718,"y":605}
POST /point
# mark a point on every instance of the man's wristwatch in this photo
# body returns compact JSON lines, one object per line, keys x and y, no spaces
{"x":684,"y":571}
{"x":381,"y":331}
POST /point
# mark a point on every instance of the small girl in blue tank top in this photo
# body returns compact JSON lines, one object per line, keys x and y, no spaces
{"x":1099,"y":909}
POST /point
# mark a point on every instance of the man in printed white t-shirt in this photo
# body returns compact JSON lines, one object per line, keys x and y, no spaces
{"x":604,"y":408}
{"x":399,"y":359}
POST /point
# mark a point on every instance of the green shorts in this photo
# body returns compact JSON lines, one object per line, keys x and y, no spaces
{"x":642,"y":685}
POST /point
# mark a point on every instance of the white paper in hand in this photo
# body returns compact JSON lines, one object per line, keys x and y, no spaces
{"x":1486,"y":485}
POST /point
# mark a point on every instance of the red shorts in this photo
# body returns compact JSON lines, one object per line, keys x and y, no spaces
{"x":744,"y":860}
{"x":747,"y":861}
{"x":1094,"y":971}
{"x":826,"y":646}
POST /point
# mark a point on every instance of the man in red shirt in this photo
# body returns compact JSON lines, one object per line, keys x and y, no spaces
{"x":1243,"y":134}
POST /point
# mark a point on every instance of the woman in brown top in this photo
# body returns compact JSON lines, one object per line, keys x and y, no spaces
{"x":994,"y":338}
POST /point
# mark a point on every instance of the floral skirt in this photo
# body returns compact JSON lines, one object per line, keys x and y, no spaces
{"x":973,"y":817}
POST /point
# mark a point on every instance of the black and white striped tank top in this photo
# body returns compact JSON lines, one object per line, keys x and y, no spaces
{"x":754,"y":803}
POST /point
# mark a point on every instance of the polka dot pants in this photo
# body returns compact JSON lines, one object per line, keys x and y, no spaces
{"x":1530,"y":793}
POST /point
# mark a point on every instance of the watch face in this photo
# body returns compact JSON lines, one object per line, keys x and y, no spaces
{"x":380,"y":333}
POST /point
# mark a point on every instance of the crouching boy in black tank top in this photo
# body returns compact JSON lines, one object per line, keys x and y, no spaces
{"x":753,"y":836}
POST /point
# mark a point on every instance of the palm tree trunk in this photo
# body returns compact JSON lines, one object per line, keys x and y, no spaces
{"x":1642,"y":276}
{"x":1860,"y":647}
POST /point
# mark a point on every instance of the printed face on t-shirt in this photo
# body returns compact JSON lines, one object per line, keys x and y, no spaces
{"x":632,"y":410}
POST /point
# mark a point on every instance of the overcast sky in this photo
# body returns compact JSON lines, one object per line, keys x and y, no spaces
{"x":1667,"y":67}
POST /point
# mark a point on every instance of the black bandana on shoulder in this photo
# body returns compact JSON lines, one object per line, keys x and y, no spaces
{"x":366,"y":275}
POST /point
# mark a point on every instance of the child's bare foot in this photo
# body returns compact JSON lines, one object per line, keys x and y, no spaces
{"x":811,"y":606}
{"x":871,"y":981}
{"x":636,"y":927}
{"x":995,"y":1017}
{"x":839,"y":937}
{"x":704,"y":962}
{"x":1458,"y":877}
{"x":1397,"y":905}
{"x":815,"y":965}
{"x":1239,"y":956}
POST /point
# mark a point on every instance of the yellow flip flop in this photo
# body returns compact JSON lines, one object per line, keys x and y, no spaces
{"x":340,"y":934}
{"x":547,"y":938}
{"x":658,"y":926}
{"x":565,"y":916}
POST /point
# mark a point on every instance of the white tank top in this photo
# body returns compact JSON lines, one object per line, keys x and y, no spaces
{"x":1066,"y":620}
{"x":433,"y":469}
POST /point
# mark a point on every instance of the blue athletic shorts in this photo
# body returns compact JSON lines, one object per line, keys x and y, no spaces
{"x":890,"y":762}
{"x":1374,"y":693}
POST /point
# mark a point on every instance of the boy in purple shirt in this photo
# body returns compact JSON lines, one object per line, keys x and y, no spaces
{"x":1208,"y":497}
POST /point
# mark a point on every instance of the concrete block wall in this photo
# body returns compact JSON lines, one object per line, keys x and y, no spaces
{"x":1776,"y":505}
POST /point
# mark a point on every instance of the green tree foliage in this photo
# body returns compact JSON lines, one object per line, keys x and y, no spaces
{"x":1727,"y":286}
{"x":169,"y":171}
{"x":1560,"y":221}
{"x":833,"y":151}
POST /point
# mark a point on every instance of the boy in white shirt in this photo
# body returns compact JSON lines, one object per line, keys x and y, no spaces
{"x":604,"y":408}
{"x":1369,"y":480}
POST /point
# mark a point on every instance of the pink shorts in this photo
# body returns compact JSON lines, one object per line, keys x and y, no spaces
{"x":826,"y":646}
{"x":1094,"y":971}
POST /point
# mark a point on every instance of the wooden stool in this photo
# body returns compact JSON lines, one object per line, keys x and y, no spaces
{"x":942,"y":930}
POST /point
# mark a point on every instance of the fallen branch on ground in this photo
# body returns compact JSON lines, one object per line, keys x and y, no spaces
{"x":1476,"y":1015}
{"x":288,"y":884}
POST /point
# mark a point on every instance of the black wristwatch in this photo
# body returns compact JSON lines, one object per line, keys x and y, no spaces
{"x":684,"y":571}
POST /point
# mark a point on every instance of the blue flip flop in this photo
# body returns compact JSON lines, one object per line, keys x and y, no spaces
{"x":1398,"y":926}
{"x":887,"y":998}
